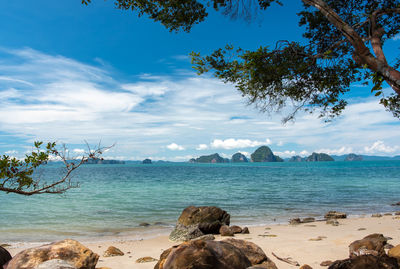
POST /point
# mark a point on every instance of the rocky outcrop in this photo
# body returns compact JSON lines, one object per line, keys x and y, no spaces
{"x":226,"y":254}
{"x":353,"y":157}
{"x":198,"y":221}
{"x":213,"y":158}
{"x":55,"y":264}
{"x":319,"y":157}
{"x":146,"y":161}
{"x":239,"y":158}
{"x":67,"y":250}
{"x":395,"y":253}
{"x":264,"y":154}
{"x":335,"y":215}
{"x":366,"y":262}
{"x":113,"y":251}
{"x":296,"y":158}
{"x":372,"y":244}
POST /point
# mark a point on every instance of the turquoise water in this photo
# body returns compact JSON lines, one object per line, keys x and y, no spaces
{"x":115,"y":199}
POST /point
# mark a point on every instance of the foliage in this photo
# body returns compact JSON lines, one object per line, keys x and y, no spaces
{"x":344,"y":45}
{"x":18,"y":176}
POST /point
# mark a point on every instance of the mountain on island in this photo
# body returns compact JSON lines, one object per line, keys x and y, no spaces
{"x":102,"y":161}
{"x":353,"y":157}
{"x":239,"y":158}
{"x":296,"y":158}
{"x":146,"y":161}
{"x":265,"y":154}
{"x":319,"y":157}
{"x":213,"y":158}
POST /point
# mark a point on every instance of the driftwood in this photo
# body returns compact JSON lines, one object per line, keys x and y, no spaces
{"x":287,"y":260}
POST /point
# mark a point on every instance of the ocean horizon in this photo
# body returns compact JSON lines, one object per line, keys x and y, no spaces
{"x":114,"y":200}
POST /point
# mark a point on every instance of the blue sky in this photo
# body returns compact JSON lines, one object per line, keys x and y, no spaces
{"x":70,"y":73}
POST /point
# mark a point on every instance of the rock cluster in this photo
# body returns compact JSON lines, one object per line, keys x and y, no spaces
{"x":195,"y":222}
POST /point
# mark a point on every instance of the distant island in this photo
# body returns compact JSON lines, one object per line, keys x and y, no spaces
{"x":146,"y":161}
{"x":102,"y":161}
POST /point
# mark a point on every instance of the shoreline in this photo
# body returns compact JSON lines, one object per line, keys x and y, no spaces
{"x":308,"y":243}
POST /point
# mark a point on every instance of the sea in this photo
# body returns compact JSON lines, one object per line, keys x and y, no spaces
{"x":113,"y":201}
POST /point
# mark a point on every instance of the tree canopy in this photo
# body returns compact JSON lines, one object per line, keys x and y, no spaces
{"x":344,"y":45}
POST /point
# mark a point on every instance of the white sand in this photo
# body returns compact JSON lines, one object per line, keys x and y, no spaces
{"x":290,"y":241}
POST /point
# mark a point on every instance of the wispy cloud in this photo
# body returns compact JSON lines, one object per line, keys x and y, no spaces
{"x":232,"y":143}
{"x":51,"y":97}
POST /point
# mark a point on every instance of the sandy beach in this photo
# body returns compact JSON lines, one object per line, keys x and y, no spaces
{"x":309,"y":243}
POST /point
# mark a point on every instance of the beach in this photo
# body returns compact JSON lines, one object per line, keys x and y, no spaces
{"x":308,"y":243}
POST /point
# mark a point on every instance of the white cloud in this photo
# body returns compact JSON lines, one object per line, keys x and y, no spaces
{"x":11,"y":152}
{"x":232,"y":143}
{"x":341,"y":151}
{"x":304,"y":153}
{"x":202,"y":147}
{"x":396,"y":37}
{"x":380,"y":147}
{"x":285,"y":154}
{"x":54,"y":98}
{"x":174,"y":146}
{"x":78,"y":151}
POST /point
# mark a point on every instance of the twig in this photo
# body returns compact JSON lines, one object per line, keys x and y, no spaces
{"x":287,"y":260}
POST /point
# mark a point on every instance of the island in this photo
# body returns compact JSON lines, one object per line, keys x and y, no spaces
{"x":146,"y":161}
{"x":265,"y":154}
{"x":239,"y":158}
{"x":102,"y":161}
{"x":213,"y":158}
{"x":319,"y":157}
{"x":353,"y":157}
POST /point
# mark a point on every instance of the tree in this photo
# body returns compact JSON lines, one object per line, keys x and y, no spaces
{"x":18,"y":176}
{"x":344,"y":45}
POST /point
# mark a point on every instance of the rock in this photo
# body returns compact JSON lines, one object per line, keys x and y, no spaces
{"x":333,"y":222}
{"x":377,"y":215}
{"x":326,"y":263}
{"x":307,"y":220}
{"x":366,"y":262}
{"x":113,"y":251}
{"x":225,"y":231}
{"x":294,"y":221}
{"x":361,"y":229}
{"x":146,"y":259}
{"x":236,"y":229}
{"x":67,"y":250}
{"x":199,"y":254}
{"x":388,"y":246}
{"x":253,"y":252}
{"x":205,"y":237}
{"x":305,"y":266}
{"x":395,"y":253}
{"x":198,"y":221}
{"x":335,"y":215}
{"x":398,"y":203}
{"x":144,"y":224}
{"x":245,"y":230}
{"x":388,"y":214}
{"x":372,"y":244}
{"x":397,"y":213}
{"x":55,"y":264}
{"x":163,"y":257}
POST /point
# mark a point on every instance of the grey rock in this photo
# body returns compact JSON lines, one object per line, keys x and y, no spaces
{"x":55,"y":264}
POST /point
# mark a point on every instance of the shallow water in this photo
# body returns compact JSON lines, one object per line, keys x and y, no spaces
{"x":114,"y":199}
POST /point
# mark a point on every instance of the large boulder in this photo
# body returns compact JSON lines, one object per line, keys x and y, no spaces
{"x":67,"y":250}
{"x":55,"y":264}
{"x":201,"y":254}
{"x":395,"y":253}
{"x":198,"y":221}
{"x":373,"y":244}
{"x":366,"y":262}
{"x":335,"y":215}
{"x":253,"y":252}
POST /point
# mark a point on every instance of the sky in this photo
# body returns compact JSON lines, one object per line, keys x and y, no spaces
{"x":72,"y":73}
